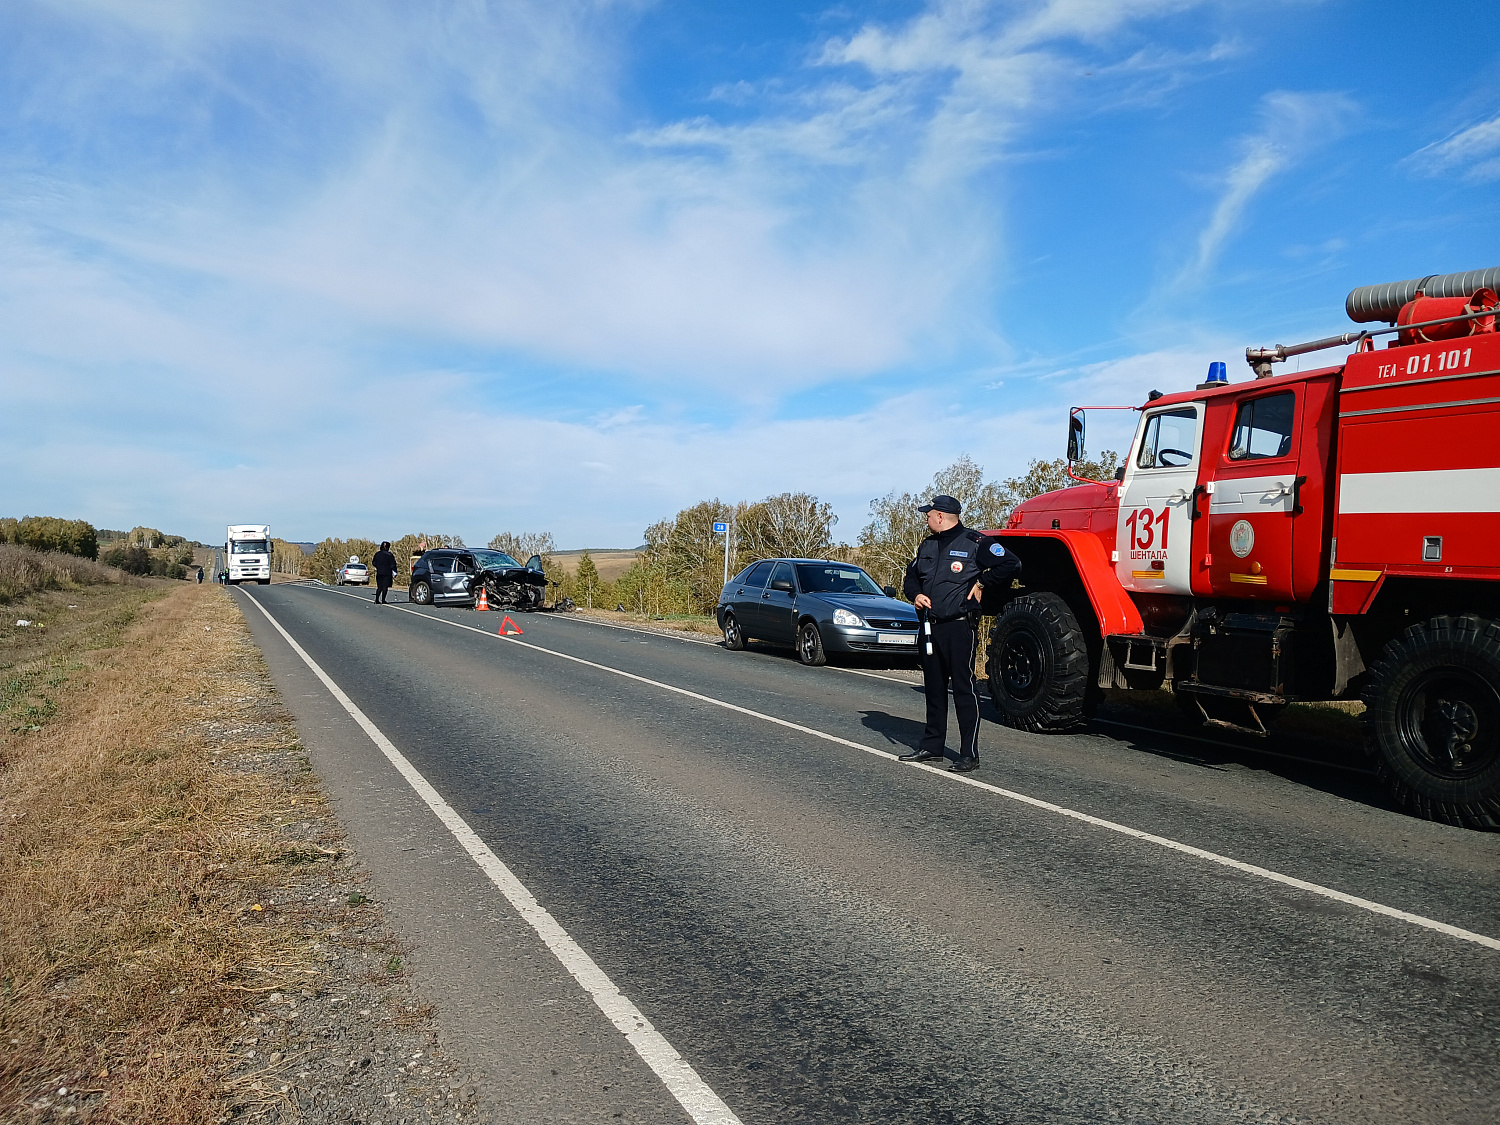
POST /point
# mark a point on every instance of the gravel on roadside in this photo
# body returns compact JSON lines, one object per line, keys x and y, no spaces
{"x":353,"y":1040}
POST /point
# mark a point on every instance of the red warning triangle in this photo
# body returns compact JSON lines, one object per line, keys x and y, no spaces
{"x":508,"y":628}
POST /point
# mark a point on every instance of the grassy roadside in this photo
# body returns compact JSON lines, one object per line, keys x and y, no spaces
{"x":63,"y":627}
{"x":685,"y":623}
{"x":130,"y":866}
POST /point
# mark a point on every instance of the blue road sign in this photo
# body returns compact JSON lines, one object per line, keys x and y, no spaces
{"x":720,"y":528}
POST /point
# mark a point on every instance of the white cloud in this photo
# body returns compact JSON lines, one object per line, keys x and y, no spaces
{"x":256,"y":237}
{"x":1292,"y":125}
{"x":1475,"y":152}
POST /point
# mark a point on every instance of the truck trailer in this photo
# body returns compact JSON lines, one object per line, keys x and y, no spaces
{"x":1331,"y":534}
{"x":247,"y":553}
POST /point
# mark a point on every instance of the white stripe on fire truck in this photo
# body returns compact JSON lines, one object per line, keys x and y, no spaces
{"x":1425,"y":492}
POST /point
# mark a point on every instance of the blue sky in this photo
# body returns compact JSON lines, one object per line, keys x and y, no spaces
{"x":362,"y":268}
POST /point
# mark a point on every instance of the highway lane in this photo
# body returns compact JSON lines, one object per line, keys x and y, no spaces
{"x":827,"y":935}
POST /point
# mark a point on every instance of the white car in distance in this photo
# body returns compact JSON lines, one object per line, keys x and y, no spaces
{"x":354,"y":574}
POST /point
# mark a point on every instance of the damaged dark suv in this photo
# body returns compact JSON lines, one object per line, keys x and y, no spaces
{"x":454,"y":575}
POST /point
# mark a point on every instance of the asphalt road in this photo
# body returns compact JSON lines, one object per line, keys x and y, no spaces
{"x":827,"y":935}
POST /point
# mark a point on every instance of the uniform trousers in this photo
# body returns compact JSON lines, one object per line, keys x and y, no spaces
{"x":951,"y":660}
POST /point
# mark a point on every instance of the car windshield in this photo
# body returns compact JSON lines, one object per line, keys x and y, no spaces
{"x":832,"y":578}
{"x":355,"y":566}
{"x":247,"y":547}
{"x":494,"y":560}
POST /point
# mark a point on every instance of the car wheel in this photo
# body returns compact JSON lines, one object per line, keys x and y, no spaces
{"x":810,"y":645}
{"x":734,"y":637}
{"x":420,"y":593}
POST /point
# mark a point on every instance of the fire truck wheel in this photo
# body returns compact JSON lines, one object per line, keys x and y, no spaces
{"x":1038,"y":665}
{"x":1432,"y":719}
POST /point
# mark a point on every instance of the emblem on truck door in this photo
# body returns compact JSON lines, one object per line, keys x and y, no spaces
{"x":1241,"y":538}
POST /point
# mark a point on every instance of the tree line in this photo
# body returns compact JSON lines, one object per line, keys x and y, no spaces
{"x":681,"y":569}
{"x":141,"y":550}
{"x":48,"y":533}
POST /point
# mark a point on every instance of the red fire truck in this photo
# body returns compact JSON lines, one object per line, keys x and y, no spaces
{"x":1330,"y":534}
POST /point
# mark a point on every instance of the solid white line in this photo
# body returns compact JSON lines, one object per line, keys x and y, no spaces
{"x":1034,"y":802}
{"x":691,"y":1092}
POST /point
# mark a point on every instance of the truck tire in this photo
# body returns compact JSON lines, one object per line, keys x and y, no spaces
{"x":1432,"y":720}
{"x":1038,"y":665}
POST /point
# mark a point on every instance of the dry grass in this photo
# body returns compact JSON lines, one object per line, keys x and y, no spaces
{"x":686,"y":623}
{"x":129,"y":876}
{"x":611,"y":564}
{"x":24,"y":571}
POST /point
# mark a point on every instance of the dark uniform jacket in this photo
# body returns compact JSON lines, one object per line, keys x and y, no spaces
{"x":385,"y":565}
{"x":947,"y":565}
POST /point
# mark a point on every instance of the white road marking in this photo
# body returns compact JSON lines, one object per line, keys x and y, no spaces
{"x":1010,"y":794}
{"x":692,"y":1093}
{"x":675,"y":637}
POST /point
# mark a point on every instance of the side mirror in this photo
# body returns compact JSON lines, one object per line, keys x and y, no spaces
{"x":781,"y":584}
{"x":888,"y":591}
{"x":1075,"y":436}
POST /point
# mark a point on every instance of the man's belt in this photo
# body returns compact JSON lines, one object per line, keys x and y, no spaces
{"x":966,"y":615}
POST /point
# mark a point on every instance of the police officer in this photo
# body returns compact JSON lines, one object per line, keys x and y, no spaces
{"x":946,"y":582}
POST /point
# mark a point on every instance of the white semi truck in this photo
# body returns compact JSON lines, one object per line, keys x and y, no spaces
{"x":247,"y":553}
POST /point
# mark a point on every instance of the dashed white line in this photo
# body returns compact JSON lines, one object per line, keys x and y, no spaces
{"x":1035,"y":802}
{"x":692,"y":1093}
{"x":1060,"y":810}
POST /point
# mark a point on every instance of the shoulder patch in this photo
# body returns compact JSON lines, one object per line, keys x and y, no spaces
{"x":996,"y":549}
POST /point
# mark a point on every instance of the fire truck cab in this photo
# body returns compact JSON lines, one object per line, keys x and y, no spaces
{"x":1328,"y":534}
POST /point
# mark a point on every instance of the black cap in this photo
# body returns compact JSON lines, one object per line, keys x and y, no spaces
{"x":943,"y":504}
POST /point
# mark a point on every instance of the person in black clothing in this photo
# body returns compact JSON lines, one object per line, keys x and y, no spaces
{"x":385,"y":572}
{"x":946,"y":583}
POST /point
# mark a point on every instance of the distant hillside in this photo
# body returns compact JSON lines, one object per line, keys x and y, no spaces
{"x":611,"y":561}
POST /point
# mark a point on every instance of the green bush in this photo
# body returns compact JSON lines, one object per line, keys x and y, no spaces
{"x":48,"y":533}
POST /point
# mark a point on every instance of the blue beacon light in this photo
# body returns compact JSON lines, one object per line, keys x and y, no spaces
{"x":1218,"y":373}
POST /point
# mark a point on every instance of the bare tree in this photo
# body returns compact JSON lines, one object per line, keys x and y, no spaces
{"x":793,"y":525}
{"x":522,"y":546}
{"x":1049,"y":476}
{"x":889,"y":541}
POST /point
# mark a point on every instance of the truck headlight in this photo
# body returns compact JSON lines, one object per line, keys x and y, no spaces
{"x":844,"y":617}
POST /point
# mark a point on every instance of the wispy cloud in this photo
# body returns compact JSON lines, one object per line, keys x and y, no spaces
{"x":1473,"y":152}
{"x":245,"y":245}
{"x":1292,"y":125}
